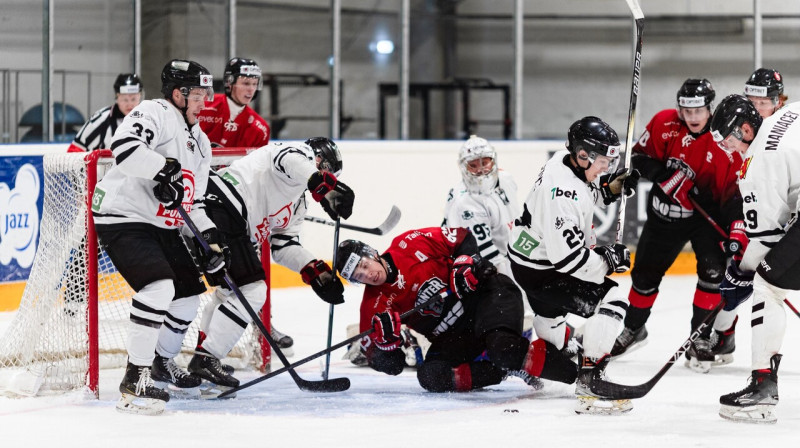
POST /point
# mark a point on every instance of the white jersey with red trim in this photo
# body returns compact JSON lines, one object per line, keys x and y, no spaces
{"x":555,"y":230}
{"x":489,"y":217}
{"x":153,"y":131}
{"x":272,"y":181}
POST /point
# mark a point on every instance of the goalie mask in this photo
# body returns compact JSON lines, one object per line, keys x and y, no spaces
{"x":730,"y":115}
{"x":328,"y":152}
{"x":591,"y":138}
{"x":477,"y":160}
{"x":349,"y":257}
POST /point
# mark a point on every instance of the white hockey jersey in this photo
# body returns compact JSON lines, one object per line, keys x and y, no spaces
{"x":153,"y":131}
{"x":559,"y":233}
{"x":489,"y":217}
{"x":770,"y":183}
{"x":272,"y":181}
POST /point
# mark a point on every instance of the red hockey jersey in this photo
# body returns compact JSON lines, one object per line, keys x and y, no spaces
{"x":713,"y":169}
{"x":423,"y":259}
{"x":248,"y":130}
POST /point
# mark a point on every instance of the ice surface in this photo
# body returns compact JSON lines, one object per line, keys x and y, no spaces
{"x":383,"y":411}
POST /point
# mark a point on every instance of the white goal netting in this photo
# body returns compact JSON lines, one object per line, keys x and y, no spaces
{"x":66,"y":328}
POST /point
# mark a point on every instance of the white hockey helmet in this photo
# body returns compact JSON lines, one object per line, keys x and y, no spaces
{"x":480,"y":178}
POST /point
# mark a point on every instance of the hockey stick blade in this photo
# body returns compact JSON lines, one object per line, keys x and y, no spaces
{"x":335,"y":385}
{"x":615,"y":391}
{"x":289,"y":367}
{"x":386,"y":226}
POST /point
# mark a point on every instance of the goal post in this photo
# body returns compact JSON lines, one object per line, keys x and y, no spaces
{"x":74,"y":314}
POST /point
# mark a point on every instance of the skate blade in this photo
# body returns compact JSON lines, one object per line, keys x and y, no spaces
{"x":188,"y":393}
{"x":211,"y":391}
{"x":761,"y":414}
{"x":722,"y":360}
{"x":596,"y":406}
{"x":131,"y":404}
{"x":698,"y":366}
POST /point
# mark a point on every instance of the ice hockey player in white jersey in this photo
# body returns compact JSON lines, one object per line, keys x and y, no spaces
{"x":770,"y":186}
{"x":485,"y":201}
{"x":162,"y":163}
{"x":554,"y":258}
{"x":260,"y":198}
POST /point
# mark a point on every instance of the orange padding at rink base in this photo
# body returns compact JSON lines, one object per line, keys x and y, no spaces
{"x":282,"y":277}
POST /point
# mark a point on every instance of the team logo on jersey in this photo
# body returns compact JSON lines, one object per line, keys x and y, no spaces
{"x":400,"y":283}
{"x":190,"y":145}
{"x":231,"y":126}
{"x":557,"y":192}
{"x":687,"y":140}
{"x":559,"y":222}
{"x":430,"y":288}
{"x":262,"y":231}
{"x":745,"y":167}
{"x":136,"y":114}
{"x":467,"y":215}
{"x":281,"y":218}
{"x":450,"y":234}
{"x":402,"y":244}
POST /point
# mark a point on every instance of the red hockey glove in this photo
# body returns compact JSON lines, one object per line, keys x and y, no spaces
{"x":737,"y":240}
{"x":320,"y":183}
{"x":335,"y":197}
{"x":387,"y":330}
{"x":677,"y":187}
{"x":328,"y":287}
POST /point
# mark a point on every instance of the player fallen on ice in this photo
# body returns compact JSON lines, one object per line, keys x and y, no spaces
{"x":676,"y":152}
{"x":769,"y":183}
{"x":483,"y":312}
{"x":555,"y":260}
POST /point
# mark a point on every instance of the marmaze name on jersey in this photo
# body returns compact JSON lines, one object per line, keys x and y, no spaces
{"x":557,"y":192}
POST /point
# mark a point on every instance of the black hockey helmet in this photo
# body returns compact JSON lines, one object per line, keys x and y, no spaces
{"x":349,"y":255}
{"x":764,"y":82}
{"x":128,"y":83}
{"x":731,"y":114}
{"x":237,"y":67}
{"x":186,"y":75}
{"x":328,"y":152}
{"x":594,"y":136}
{"x":696,"y":93}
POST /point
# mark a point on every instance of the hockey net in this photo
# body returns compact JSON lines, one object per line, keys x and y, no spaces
{"x":74,"y":313}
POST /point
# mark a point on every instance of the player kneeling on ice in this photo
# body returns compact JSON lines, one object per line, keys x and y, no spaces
{"x":554,"y":259}
{"x":261,"y":198}
{"x":483,"y":312}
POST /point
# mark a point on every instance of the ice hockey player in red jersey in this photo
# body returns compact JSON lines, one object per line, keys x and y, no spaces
{"x":229,"y":120}
{"x":483,"y":312}
{"x":677,"y":153}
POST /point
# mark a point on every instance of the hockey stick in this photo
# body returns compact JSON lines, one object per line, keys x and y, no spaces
{"x":421,"y":306}
{"x":386,"y":226}
{"x":638,"y":18}
{"x":330,"y":311}
{"x":734,"y":246}
{"x":614,"y":391}
{"x":335,"y":385}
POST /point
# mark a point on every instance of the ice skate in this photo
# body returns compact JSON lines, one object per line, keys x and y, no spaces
{"x":176,"y":381}
{"x":756,"y":402}
{"x":723,"y":346}
{"x":217,"y":380}
{"x":588,"y":401}
{"x":283,"y":341}
{"x":700,"y":356}
{"x":629,"y":340}
{"x":139,"y":393}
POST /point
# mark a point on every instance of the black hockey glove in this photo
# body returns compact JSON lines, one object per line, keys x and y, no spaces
{"x":736,"y":287}
{"x":612,"y":185}
{"x":467,"y":274}
{"x":169,"y":190}
{"x":387,"y":330}
{"x":335,"y":197}
{"x":215,"y":262}
{"x":326,"y":285}
{"x":617,"y":256}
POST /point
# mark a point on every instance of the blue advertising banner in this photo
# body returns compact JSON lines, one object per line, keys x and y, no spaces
{"x":21,"y":188}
